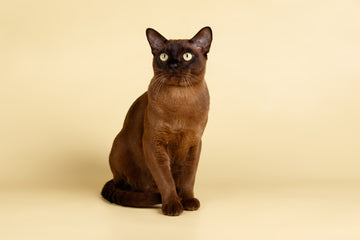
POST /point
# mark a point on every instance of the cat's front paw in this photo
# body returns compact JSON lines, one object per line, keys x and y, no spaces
{"x":191,"y":204}
{"x":174,"y":208}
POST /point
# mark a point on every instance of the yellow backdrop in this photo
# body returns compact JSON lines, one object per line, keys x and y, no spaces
{"x":284,"y":79}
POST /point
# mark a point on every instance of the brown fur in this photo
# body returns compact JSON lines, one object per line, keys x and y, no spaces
{"x":155,"y":156}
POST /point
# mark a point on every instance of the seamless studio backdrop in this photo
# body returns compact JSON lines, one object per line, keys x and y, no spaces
{"x":281,"y":150}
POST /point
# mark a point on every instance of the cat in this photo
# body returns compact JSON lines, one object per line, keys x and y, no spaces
{"x":155,"y":156}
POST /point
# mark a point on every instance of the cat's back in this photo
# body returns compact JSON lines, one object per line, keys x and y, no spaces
{"x":134,"y":120}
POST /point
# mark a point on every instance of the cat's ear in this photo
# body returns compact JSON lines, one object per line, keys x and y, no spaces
{"x":202,"y":40}
{"x":156,"y":40}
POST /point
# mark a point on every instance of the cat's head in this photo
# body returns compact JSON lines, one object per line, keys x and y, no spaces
{"x":180,"y":62}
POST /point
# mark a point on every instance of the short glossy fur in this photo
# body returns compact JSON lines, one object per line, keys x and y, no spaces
{"x":155,"y":156}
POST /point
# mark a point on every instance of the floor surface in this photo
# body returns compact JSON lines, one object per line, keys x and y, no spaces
{"x":242,"y":212}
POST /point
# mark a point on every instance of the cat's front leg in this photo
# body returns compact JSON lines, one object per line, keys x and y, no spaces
{"x":187,"y":179}
{"x":158,"y":162}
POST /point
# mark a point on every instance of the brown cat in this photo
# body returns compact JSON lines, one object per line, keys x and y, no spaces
{"x":155,"y":156}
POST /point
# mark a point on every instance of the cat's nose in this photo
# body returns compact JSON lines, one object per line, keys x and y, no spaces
{"x":173,"y":64}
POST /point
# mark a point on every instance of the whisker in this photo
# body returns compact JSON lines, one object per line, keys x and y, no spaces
{"x":157,"y":83}
{"x":189,"y":83}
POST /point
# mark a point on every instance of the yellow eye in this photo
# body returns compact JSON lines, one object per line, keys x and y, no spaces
{"x":187,"y":56}
{"x":164,"y":57}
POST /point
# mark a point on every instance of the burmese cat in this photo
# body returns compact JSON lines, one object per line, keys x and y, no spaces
{"x":155,"y":156}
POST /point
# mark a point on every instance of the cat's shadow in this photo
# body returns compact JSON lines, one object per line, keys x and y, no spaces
{"x":76,"y":171}
{"x":83,"y":172}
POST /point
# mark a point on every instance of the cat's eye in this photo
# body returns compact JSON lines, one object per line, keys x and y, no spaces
{"x":164,"y":57}
{"x":187,"y":56}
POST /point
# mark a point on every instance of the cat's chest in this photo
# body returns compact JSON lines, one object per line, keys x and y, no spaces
{"x":182,"y":111}
{"x":185,"y":106}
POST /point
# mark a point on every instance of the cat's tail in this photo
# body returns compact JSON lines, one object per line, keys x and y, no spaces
{"x":115,"y":194}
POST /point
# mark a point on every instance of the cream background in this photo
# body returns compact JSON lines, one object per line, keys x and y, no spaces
{"x":281,"y":152}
